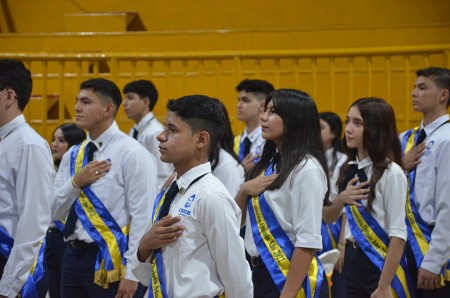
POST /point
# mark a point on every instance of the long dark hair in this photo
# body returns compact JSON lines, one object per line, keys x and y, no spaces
{"x":335,"y":124}
{"x":72,"y":134}
{"x":226,"y":142}
{"x":380,"y":139}
{"x":301,"y":136}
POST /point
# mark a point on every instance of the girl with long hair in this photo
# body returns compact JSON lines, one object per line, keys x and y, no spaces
{"x":283,"y":218}
{"x":376,"y":229}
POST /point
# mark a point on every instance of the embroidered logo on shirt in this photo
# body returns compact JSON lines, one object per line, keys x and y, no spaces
{"x":428,"y":149}
{"x":187,"y":205}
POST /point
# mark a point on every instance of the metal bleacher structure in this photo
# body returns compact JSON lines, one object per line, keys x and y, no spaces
{"x":334,"y":76}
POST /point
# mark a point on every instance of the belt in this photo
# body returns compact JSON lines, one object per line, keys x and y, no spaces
{"x":78,"y":244}
{"x":256,"y":262}
{"x":351,"y":243}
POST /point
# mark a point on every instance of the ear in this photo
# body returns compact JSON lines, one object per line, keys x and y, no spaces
{"x":203,"y":139}
{"x":444,"y":96}
{"x":11,"y":97}
{"x":146,"y":102}
{"x":109,"y":110}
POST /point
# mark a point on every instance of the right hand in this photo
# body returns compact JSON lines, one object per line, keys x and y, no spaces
{"x":92,"y":172}
{"x":162,"y":232}
{"x":249,"y":162}
{"x":258,"y":185}
{"x":412,"y":158}
{"x":353,"y":193}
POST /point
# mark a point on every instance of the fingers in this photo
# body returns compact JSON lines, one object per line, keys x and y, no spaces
{"x":168,"y":220}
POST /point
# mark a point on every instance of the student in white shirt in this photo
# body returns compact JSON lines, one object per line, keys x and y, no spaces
{"x":376,"y":228}
{"x":140,"y":98}
{"x":333,"y":233}
{"x":195,"y":250}
{"x":119,"y":183}
{"x":252,"y":95}
{"x":225,"y":163}
{"x":26,"y":182}
{"x":428,"y":165}
{"x":290,"y":202}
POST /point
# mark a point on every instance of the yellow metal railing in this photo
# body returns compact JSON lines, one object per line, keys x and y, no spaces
{"x":334,"y":78}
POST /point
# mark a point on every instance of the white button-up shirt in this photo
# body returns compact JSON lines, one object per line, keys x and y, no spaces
{"x":229,"y":172}
{"x":26,"y":191}
{"x":390,"y":199}
{"x":297,"y":205}
{"x":209,"y":257}
{"x":148,"y":129}
{"x":432,"y":191}
{"x":127,"y":190}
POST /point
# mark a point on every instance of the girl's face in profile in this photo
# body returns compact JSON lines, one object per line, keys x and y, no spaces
{"x":59,"y":145}
{"x":326,"y":133}
{"x":354,"y":129}
{"x":272,"y":126}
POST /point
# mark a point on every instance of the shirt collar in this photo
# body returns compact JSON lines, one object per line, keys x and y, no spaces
{"x":435,"y":124}
{"x":11,"y":125}
{"x":143,"y":123}
{"x":185,"y":180}
{"x":102,"y":141}
{"x":253,"y":135}
{"x":361,"y":164}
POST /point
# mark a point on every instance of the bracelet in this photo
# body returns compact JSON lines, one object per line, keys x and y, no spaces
{"x":340,"y":246}
{"x":74,"y":184}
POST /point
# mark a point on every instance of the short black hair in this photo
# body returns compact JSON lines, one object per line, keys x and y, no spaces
{"x":14,"y":75}
{"x":106,"y":88}
{"x":143,"y":88}
{"x":201,"y":112}
{"x":260,"y":88}
{"x":439,"y":75}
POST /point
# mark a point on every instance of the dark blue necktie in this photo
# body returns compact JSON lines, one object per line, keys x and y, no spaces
{"x":170,"y":195}
{"x":352,"y":171}
{"x":422,"y":136}
{"x":69,"y":226}
{"x":246,"y":145}
{"x":135,"y":133}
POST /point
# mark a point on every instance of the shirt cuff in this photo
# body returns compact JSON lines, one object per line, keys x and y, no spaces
{"x":143,"y":273}
{"x":431,"y":266}
{"x":10,"y":289}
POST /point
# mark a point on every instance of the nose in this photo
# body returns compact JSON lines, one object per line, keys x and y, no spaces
{"x":413,"y":92}
{"x":161,"y":137}
{"x":264,"y":116}
{"x":77,"y":106}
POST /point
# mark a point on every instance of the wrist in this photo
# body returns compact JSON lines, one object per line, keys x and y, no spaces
{"x":75,"y":184}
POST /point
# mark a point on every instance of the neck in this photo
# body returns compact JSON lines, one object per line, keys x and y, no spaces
{"x":433,"y":115}
{"x":362,"y":154}
{"x":251,"y":125}
{"x":98,"y":130}
{"x":9,"y":117}
{"x":183,"y":167}
{"x":138,"y":118}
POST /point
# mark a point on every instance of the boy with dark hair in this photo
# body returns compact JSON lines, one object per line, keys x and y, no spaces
{"x":140,"y":98}
{"x":96,"y":185}
{"x":26,"y":183}
{"x":192,"y":247}
{"x":249,"y":145}
{"x":427,"y":158}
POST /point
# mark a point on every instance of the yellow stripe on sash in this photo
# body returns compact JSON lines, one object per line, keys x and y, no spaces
{"x":102,"y":277}
{"x":237,"y":143}
{"x":379,"y":246}
{"x":156,"y":286}
{"x":277,"y":253}
{"x":410,"y":143}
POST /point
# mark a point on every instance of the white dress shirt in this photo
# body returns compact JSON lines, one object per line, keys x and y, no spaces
{"x":127,"y":190}
{"x":209,"y":257}
{"x":297,"y":205}
{"x":257,"y":140}
{"x":148,"y":129}
{"x":432,"y":192}
{"x":390,"y":199}
{"x":229,"y":172}
{"x":341,"y":159}
{"x":26,"y":192}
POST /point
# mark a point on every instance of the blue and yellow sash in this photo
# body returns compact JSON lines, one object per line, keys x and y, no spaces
{"x":330,"y":235}
{"x":157,"y":284}
{"x":29,"y":289}
{"x":276,"y":249}
{"x":101,"y":226}
{"x":238,"y":149}
{"x":374,"y":242}
{"x":419,"y":234}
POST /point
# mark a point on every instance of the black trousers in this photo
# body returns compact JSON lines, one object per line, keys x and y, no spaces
{"x":361,"y":275}
{"x":54,"y":254}
{"x":420,"y":293}
{"x":264,"y":286}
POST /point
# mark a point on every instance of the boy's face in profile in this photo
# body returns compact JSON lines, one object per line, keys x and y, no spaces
{"x":426,"y":95}
{"x":178,"y":143}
